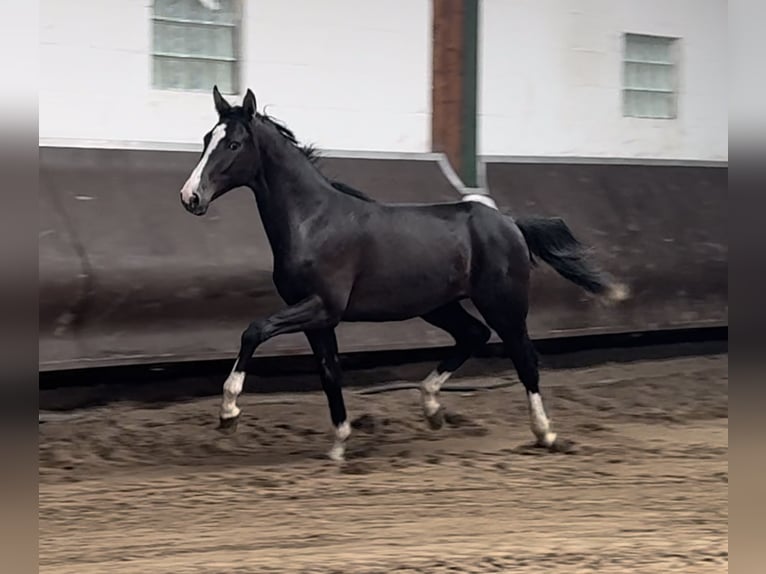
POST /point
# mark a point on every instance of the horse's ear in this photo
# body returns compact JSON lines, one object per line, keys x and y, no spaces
{"x":221,"y":105}
{"x":248,"y":103}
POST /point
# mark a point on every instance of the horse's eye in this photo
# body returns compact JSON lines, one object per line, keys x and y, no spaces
{"x":234,"y":146}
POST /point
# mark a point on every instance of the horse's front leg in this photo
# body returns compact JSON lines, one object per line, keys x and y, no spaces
{"x":309,"y":314}
{"x":325,"y":346}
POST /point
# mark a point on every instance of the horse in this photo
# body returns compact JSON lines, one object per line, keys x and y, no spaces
{"x":340,"y":256}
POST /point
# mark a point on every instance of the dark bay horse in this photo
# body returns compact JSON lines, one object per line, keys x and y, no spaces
{"x":341,"y":256}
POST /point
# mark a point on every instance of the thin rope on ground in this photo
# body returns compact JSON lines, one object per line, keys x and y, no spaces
{"x":391,"y":387}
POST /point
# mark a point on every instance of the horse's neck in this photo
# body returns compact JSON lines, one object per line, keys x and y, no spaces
{"x":288,"y":192}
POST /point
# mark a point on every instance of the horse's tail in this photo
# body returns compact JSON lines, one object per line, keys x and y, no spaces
{"x":551,"y":240}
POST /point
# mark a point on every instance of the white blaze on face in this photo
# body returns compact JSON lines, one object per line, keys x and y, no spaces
{"x":192,"y":184}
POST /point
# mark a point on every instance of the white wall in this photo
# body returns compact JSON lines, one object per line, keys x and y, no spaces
{"x":343,"y":74}
{"x":550,"y":78}
{"x":356,"y":75}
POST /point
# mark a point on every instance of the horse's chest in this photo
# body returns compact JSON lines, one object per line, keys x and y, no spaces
{"x":298,"y":278}
{"x":293,"y":280}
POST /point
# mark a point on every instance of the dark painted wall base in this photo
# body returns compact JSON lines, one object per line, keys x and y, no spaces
{"x":661,"y":229}
{"x":127,"y":276}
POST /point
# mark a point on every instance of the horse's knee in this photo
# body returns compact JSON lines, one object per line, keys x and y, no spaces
{"x":251,"y":336}
{"x":476,"y":336}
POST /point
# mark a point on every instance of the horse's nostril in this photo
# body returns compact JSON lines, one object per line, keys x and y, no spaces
{"x":194,"y":201}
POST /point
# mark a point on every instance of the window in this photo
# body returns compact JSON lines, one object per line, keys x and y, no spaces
{"x":196,"y":44}
{"x":649,"y":77}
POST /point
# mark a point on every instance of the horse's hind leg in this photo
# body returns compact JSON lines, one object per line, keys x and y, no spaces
{"x":325,"y":346}
{"x":507,"y":316}
{"x":524,"y":358}
{"x":469,"y":334}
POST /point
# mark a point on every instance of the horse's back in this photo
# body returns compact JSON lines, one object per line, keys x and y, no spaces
{"x":477,"y":230}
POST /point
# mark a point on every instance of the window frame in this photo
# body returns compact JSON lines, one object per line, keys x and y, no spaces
{"x":236,"y":61}
{"x":673,"y":62}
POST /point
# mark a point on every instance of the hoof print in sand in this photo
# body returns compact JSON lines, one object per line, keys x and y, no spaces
{"x":228,"y":426}
{"x":560,"y":446}
{"x":469,"y":426}
{"x":355,"y":467}
{"x":436,"y":420}
{"x":364,"y":423}
{"x":563,"y":446}
{"x":457,"y":420}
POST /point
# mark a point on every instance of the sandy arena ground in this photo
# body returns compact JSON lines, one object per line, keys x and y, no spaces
{"x":138,"y":490}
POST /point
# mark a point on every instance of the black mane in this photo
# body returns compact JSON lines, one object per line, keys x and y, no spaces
{"x":348,"y":190}
{"x":313,"y":155}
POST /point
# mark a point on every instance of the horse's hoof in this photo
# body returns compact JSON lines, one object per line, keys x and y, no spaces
{"x":546,"y":440}
{"x":436,"y":420}
{"x":563,"y":446}
{"x":228,"y":425}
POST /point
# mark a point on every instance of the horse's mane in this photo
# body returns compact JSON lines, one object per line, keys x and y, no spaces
{"x":312,"y":154}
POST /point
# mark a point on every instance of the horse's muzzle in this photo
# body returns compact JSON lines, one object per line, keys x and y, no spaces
{"x":195,"y":205}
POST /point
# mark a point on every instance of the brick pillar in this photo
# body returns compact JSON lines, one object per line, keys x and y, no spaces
{"x":455,"y":39}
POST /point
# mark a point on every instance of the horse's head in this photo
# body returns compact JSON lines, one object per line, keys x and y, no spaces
{"x":227,"y":156}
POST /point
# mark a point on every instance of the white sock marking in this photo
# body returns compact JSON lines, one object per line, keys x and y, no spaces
{"x":480,"y":198}
{"x":338,"y":450}
{"x":618,"y":292}
{"x":231,"y":390}
{"x":539,"y":421}
{"x":192,"y":184}
{"x":429,"y":390}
